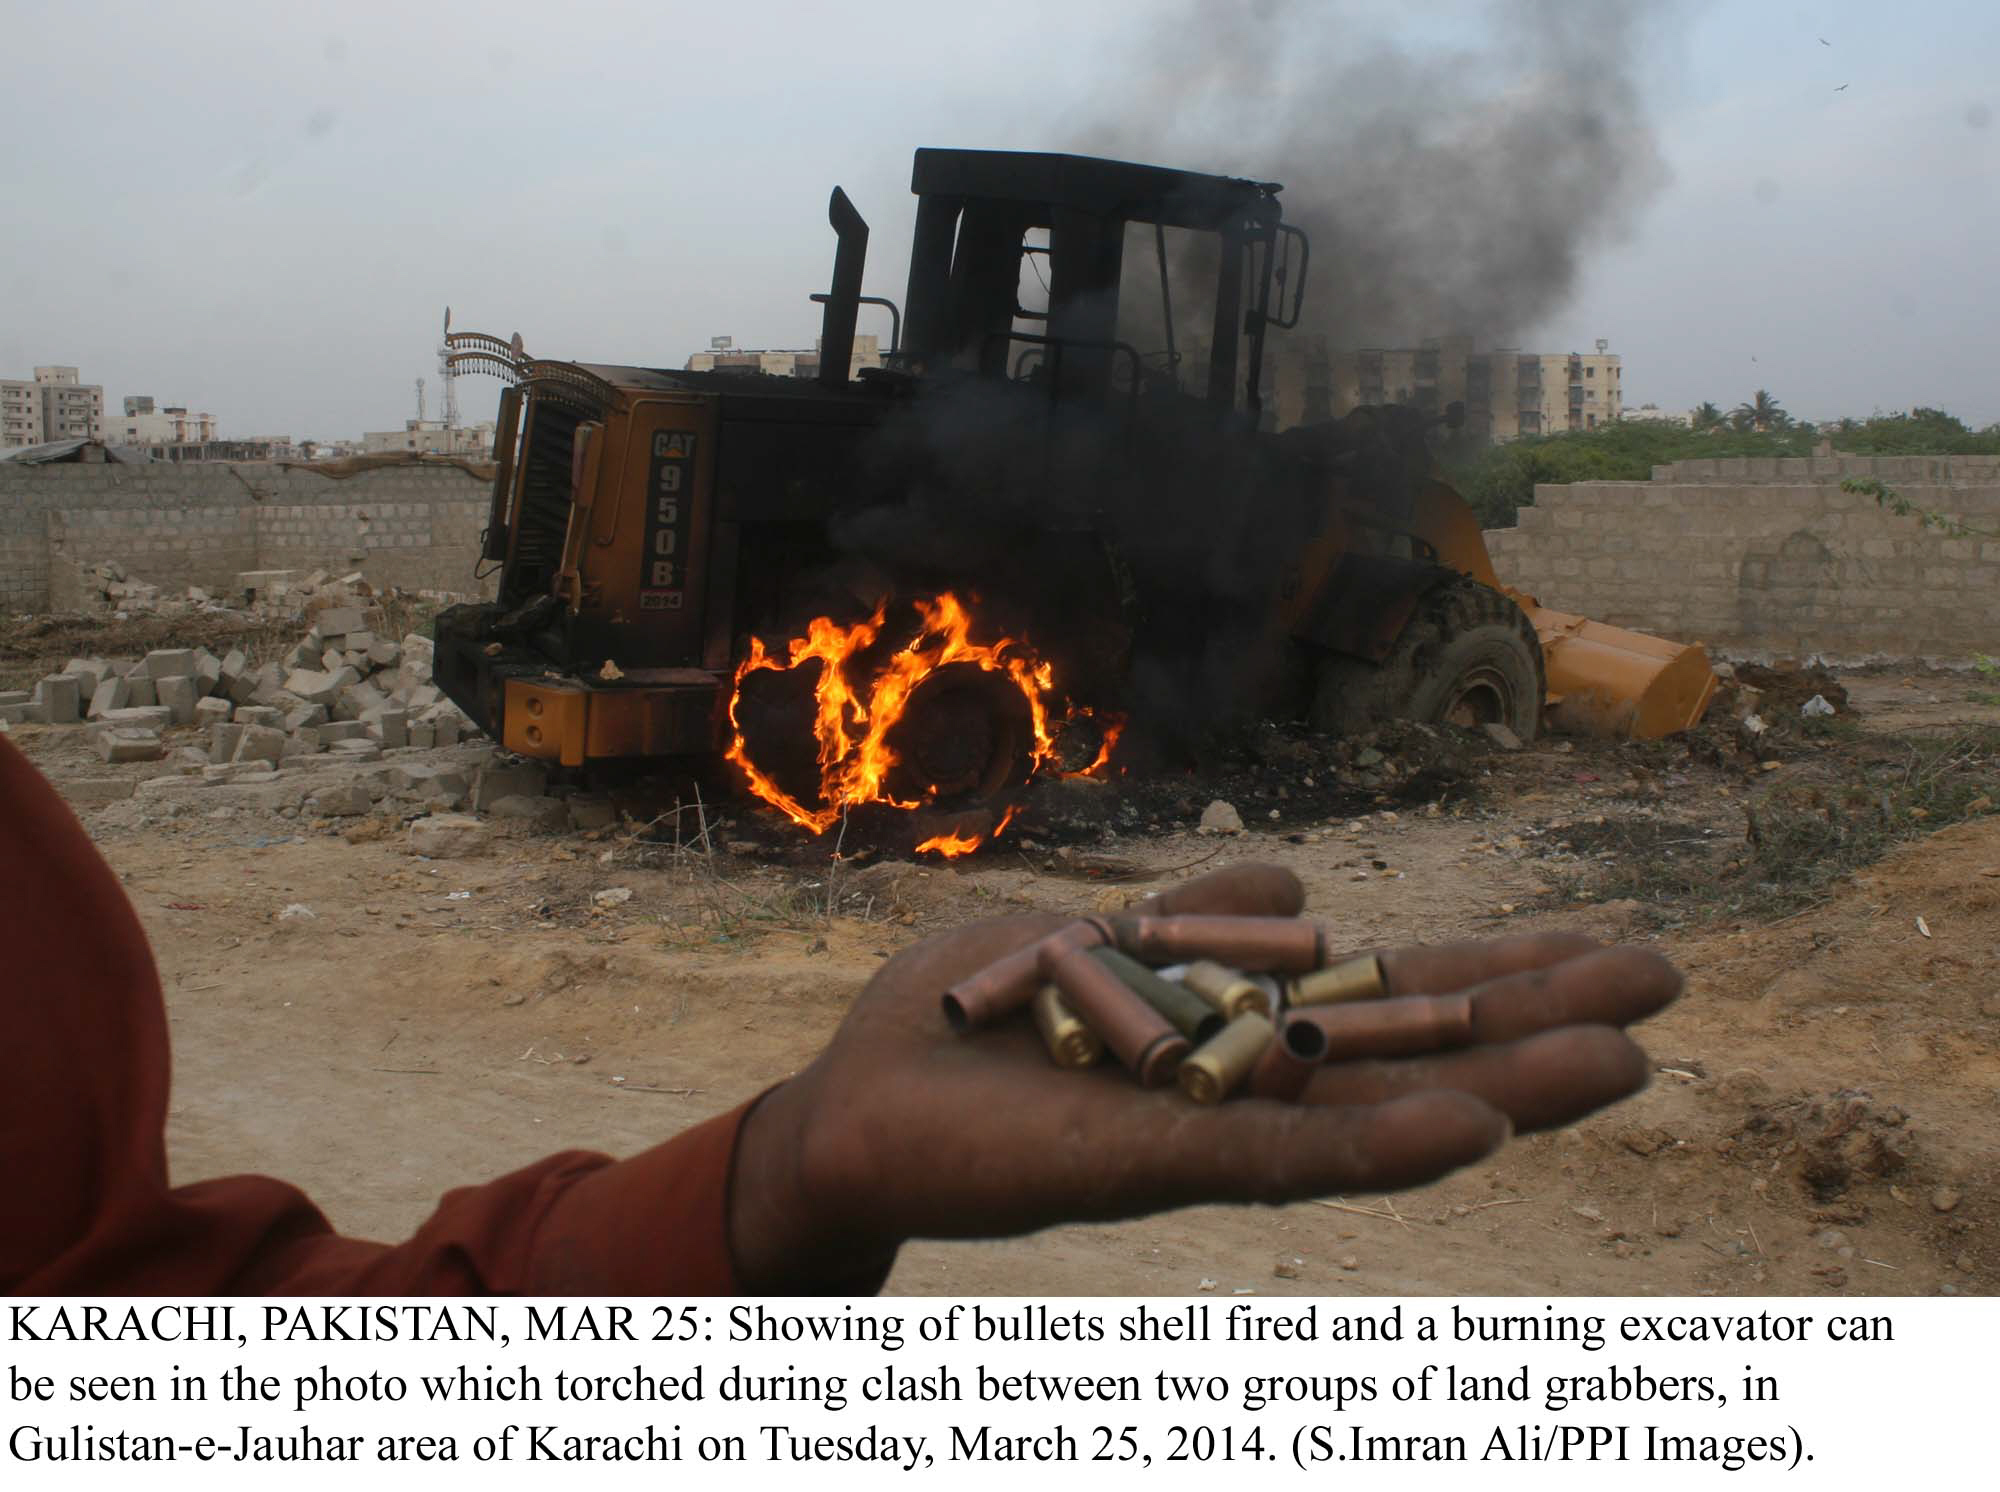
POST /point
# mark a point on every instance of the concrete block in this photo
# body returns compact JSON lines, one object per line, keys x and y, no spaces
{"x":447,"y":731}
{"x":242,"y":689}
{"x":137,"y":717}
{"x":21,"y":714}
{"x":259,"y":743}
{"x":331,"y":659}
{"x":170,"y":663}
{"x":139,"y":689}
{"x":313,"y":686}
{"x":306,"y":741}
{"x":356,"y":700}
{"x":223,"y":740}
{"x":358,"y":641}
{"x":422,"y":697}
{"x":264,"y":715}
{"x":303,"y":717}
{"x":423,"y":736}
{"x":128,"y":745}
{"x":342,"y":730}
{"x":338,"y":621}
{"x":207,"y":672}
{"x":212,"y":711}
{"x":362,"y":750}
{"x":89,"y":673}
{"x":345,"y":801}
{"x":536,"y":813}
{"x":519,"y":779}
{"x":88,"y":792}
{"x":60,"y":697}
{"x":387,"y":724}
{"x":383,"y":653}
{"x":448,"y":836}
{"x":425,"y":783}
{"x":235,"y":663}
{"x":14,"y":696}
{"x":178,"y":695}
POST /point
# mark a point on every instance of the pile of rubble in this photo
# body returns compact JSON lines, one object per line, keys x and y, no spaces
{"x":265,"y":593}
{"x":343,"y":690}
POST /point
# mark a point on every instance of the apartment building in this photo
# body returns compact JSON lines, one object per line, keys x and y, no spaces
{"x":1506,"y":392}
{"x":55,"y":405}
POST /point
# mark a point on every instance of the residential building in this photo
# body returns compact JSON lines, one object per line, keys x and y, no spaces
{"x":1663,"y":416}
{"x":57,"y":405}
{"x":1506,"y":392}
{"x":433,"y":438}
{"x":723,"y":357}
{"x":144,"y":425}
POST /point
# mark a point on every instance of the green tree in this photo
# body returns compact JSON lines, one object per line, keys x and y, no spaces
{"x":1762,"y":413}
{"x":1707,"y":415}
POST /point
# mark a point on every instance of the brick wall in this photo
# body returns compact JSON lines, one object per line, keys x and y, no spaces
{"x":175,"y":526}
{"x":1767,"y":557}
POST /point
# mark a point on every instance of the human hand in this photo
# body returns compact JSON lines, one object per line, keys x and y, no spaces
{"x":903,"y":1128}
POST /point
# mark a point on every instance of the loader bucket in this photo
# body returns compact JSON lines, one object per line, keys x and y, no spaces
{"x":1606,"y":681}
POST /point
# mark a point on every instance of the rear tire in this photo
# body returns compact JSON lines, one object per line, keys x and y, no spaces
{"x":1468,"y":657}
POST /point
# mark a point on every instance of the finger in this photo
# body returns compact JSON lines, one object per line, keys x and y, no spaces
{"x":1540,"y":1082}
{"x":1453,"y":966}
{"x":1257,"y":1151}
{"x":1239,"y":891}
{"x":1610,"y":987}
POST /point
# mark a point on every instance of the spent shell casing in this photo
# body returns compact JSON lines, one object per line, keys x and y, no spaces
{"x":1229,"y":990}
{"x":1289,"y":1062}
{"x":1217,"y":1067}
{"x":1350,"y":979}
{"x":1264,"y":945}
{"x":1071,"y":1043}
{"x":1398,"y":1027}
{"x":1010,"y":982}
{"x":1138,"y":1035}
{"x":1191,"y":1015}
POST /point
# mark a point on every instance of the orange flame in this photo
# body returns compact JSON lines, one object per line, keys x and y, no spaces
{"x":951,"y":845}
{"x":1103,"y":759}
{"x":852,"y":722}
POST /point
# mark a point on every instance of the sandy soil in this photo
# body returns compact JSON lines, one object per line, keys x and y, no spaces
{"x":1822,"y":1119}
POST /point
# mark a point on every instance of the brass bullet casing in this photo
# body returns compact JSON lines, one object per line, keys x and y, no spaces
{"x":1399,"y":1027}
{"x":1263,"y":945}
{"x":1219,"y":1065}
{"x":1070,"y":1042}
{"x":1228,"y":990}
{"x":1143,"y":1039}
{"x":1191,"y":1015}
{"x":1350,"y":979}
{"x":1008,"y":983}
{"x":1288,"y":1063}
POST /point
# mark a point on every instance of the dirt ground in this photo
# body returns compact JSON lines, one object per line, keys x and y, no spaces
{"x":1822,"y":1117}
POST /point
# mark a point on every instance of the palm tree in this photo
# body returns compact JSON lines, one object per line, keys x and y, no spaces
{"x":1707,"y":415}
{"x":1762,"y":413}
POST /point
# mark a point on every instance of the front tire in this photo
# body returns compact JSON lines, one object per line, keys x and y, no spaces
{"x":1469,"y":657}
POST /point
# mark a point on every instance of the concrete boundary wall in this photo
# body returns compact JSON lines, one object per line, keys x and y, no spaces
{"x":200,"y":524}
{"x":1763,"y":558}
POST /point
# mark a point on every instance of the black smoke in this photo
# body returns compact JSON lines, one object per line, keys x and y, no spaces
{"x":1452,"y":189}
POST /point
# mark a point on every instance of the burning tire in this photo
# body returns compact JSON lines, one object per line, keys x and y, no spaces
{"x":1468,"y":657}
{"x":966,"y":734}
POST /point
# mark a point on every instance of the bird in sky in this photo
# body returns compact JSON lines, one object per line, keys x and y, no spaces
{"x":1841,"y":89}
{"x":1824,"y":42}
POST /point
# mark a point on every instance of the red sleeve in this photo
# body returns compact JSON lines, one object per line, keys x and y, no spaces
{"x":85,"y":1205}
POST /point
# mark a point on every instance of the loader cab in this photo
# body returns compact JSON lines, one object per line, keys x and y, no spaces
{"x":1098,"y":280}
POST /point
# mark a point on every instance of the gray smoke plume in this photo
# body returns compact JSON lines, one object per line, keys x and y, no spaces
{"x":1449,"y":191}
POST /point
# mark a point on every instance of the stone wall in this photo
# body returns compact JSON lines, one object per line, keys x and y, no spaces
{"x":200,"y":524}
{"x":1767,"y":557}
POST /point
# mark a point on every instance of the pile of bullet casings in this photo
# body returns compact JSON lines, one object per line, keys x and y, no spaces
{"x":1216,"y":1003}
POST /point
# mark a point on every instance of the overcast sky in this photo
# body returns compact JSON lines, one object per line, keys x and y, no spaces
{"x":261,"y":210}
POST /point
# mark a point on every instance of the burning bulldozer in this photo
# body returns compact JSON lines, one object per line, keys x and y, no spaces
{"x":1055,"y":512}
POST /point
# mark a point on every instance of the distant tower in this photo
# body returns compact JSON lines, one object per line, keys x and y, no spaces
{"x":450,"y":376}
{"x":420,"y":401}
